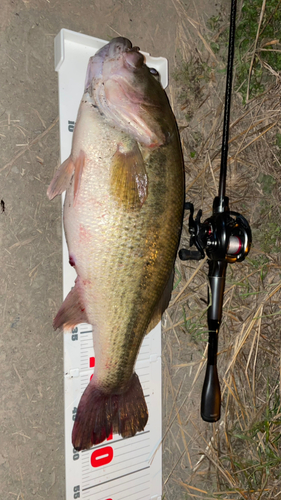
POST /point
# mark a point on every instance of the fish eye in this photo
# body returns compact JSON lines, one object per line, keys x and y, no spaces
{"x":154,"y":73}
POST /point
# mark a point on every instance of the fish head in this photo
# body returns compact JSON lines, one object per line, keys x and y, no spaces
{"x":129,"y":93}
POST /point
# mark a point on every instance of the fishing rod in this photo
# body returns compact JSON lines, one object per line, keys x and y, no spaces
{"x":226,"y":238}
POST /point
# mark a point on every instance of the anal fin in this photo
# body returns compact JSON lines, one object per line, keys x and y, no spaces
{"x":72,"y":311}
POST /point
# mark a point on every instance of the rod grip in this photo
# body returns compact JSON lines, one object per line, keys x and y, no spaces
{"x":211,"y":395}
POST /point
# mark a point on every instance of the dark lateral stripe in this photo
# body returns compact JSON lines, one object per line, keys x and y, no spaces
{"x":115,"y":478}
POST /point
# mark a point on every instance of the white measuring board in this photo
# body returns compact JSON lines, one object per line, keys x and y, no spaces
{"x":117,"y":469}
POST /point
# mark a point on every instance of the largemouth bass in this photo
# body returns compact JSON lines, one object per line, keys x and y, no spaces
{"x":123,"y":210}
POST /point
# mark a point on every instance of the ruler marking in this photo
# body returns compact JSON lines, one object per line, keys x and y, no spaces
{"x":145,"y":444}
{"x":134,"y":462}
{"x":139,"y":491}
{"x":113,"y":442}
{"x":140,"y":498}
{"x":112,"y":469}
{"x":139,"y":459}
{"x":136,"y":444}
{"x":140,"y":479}
{"x":135,"y":456}
{"x":130,"y":488}
{"x":115,"y":479}
{"x":117,"y":488}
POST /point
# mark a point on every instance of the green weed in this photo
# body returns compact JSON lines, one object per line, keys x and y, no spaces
{"x":266,"y":52}
{"x":267,"y":183}
{"x":278,"y":140}
{"x":178,"y":278}
{"x":268,"y":236}
{"x":262,"y":438}
{"x":195,"y":329}
{"x":190,"y":79}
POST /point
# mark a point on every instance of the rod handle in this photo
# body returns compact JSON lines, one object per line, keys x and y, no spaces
{"x":211,"y":395}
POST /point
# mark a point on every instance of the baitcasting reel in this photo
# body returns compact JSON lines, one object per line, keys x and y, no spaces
{"x":224,"y":236}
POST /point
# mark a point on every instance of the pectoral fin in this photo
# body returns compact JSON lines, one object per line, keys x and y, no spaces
{"x":129,"y":183}
{"x":61,"y":178}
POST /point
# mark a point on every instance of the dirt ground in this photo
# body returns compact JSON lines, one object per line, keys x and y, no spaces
{"x":31,"y":368}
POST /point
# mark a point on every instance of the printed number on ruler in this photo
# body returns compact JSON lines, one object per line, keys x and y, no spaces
{"x":76,"y":491}
{"x":74,"y":411}
{"x":74,"y":335}
{"x":71,"y":126}
{"x":76,"y":455}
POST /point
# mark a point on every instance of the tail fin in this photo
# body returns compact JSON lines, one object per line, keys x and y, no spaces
{"x":100,"y":413}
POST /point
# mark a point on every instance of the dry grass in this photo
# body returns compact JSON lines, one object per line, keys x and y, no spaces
{"x":239,"y":456}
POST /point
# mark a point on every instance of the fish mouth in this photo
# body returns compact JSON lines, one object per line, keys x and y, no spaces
{"x":123,"y":46}
{"x":117,"y":48}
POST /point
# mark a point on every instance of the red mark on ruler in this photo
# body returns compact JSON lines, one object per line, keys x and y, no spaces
{"x":92,"y":363}
{"x":102,"y":456}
